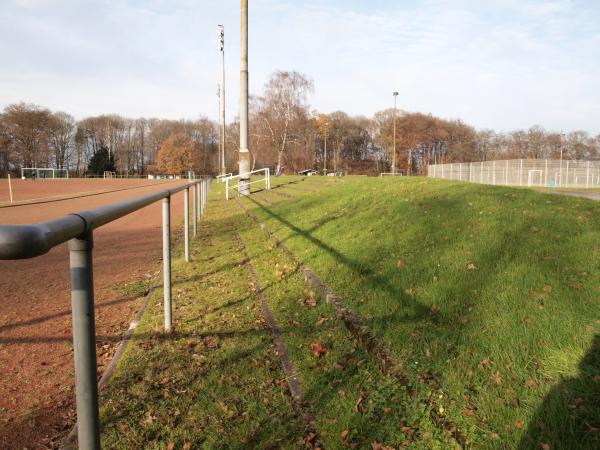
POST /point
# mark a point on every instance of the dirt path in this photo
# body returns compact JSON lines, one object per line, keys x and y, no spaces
{"x":590,"y":195}
{"x":36,"y":363}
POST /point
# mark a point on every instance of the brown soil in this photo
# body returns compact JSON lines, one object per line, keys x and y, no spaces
{"x":36,"y":355}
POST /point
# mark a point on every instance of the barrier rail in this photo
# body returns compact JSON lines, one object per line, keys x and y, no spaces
{"x":266,"y":179}
{"x":220,"y":178}
{"x":27,"y":241}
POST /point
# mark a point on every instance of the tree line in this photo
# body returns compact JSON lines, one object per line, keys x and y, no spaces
{"x":284,"y":132}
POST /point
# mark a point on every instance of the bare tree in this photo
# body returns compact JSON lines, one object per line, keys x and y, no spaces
{"x":282,"y":106}
{"x":61,"y":133}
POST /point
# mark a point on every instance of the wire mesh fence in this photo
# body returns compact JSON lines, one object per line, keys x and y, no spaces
{"x":522,"y":172}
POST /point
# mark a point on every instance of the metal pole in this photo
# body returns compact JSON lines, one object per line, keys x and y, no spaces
{"x":222,"y":97}
{"x":587,"y":175}
{"x":186,"y":223}
{"x":10,"y":188}
{"x":325,"y":151}
{"x":198,"y":201}
{"x":394,"y":138}
{"x":244,"y":164}
{"x":561,"y":159}
{"x":84,"y":341}
{"x":166,"y":216}
{"x":194,"y":221}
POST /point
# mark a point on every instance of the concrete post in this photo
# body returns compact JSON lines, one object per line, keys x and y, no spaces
{"x":186,"y":223}
{"x":194,"y":221}
{"x":166,"y":216}
{"x":244,"y":158}
{"x":84,"y":341}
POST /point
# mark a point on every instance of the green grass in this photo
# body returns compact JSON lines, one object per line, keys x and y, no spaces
{"x":344,"y":388}
{"x":488,"y":298}
{"x":215,"y":382}
{"x":495,"y":291}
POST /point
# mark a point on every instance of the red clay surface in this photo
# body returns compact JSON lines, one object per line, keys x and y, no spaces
{"x":32,"y":190}
{"x":36,"y":354}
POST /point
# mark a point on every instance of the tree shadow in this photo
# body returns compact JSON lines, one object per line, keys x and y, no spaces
{"x":569,"y":417}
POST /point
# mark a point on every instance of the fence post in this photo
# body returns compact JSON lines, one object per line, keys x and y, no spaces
{"x":166,"y":216}
{"x":84,"y":340}
{"x":194,"y":208}
{"x":186,"y":223}
{"x":587,"y":176}
{"x":197,"y":199}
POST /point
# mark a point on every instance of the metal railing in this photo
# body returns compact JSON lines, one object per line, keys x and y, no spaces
{"x":220,"y":178}
{"x":266,"y":179}
{"x":27,"y":241}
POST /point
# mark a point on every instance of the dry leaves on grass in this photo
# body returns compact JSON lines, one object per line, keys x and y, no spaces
{"x":400,"y":264}
{"x":379,"y":446}
{"x":471,"y":265}
{"x":318,"y":349}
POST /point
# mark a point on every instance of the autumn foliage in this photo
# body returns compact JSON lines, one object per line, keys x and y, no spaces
{"x":176,"y":154}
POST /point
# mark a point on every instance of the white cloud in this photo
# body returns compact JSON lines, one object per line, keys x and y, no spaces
{"x":501,"y":63}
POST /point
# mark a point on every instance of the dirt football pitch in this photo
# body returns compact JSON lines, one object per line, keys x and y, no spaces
{"x":37,"y":400}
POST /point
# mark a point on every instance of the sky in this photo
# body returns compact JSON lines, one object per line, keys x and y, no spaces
{"x":499,"y":64}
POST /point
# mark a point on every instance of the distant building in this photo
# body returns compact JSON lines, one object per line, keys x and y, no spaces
{"x":308,"y":172}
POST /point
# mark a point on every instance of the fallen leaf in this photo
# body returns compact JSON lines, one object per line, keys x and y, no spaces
{"x":471,"y":265}
{"x":495,"y":377}
{"x":400,"y":264}
{"x":344,"y":434}
{"x":486,"y":362}
{"x":318,"y":349}
{"x":531,"y":383}
{"x":357,"y":404}
{"x":544,"y":446}
{"x":322,"y":320}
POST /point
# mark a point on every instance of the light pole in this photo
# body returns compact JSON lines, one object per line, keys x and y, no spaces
{"x":561,"y":159}
{"x":222,"y":168}
{"x":394,"y":138}
{"x":244,"y":167}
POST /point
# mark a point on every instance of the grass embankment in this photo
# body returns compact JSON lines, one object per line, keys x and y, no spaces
{"x":215,"y":382}
{"x":492,"y":291}
{"x":353,"y":404}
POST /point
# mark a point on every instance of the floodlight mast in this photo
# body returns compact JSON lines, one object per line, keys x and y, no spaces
{"x":244,"y":155}
{"x":222,"y":168}
{"x":394,"y":138}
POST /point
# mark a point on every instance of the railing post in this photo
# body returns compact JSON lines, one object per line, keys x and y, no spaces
{"x":194,"y":221}
{"x":186,"y":223}
{"x":198,"y":193}
{"x":166,"y":220}
{"x":84,"y":341}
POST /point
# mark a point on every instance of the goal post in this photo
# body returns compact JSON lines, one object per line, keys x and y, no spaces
{"x":109,"y":175}
{"x":43,"y":173}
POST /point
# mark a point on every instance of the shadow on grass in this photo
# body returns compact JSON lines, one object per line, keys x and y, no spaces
{"x":569,"y":416}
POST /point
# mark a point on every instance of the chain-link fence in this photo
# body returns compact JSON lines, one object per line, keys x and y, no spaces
{"x":522,"y":172}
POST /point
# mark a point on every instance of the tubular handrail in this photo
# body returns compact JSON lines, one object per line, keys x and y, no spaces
{"x":27,"y":241}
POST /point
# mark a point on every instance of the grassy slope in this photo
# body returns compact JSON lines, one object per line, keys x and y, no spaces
{"x":216,"y":381}
{"x":353,"y":404}
{"x":496,"y":295}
